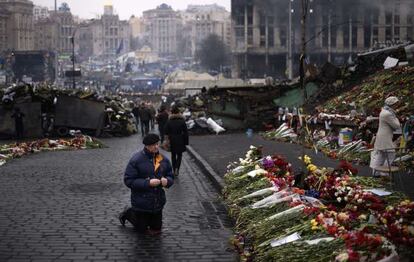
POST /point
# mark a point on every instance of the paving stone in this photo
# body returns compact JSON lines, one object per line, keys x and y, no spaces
{"x":63,"y":206}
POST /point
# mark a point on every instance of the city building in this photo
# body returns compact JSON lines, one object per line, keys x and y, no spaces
{"x":4,"y":15}
{"x":63,"y":19}
{"x":46,"y":34}
{"x":16,"y":25}
{"x":137,"y":31}
{"x":104,"y":37}
{"x":115,"y":33}
{"x":267,"y":34}
{"x":206,"y":20}
{"x":40,"y":12}
{"x":163,"y":29}
{"x":137,"y":26}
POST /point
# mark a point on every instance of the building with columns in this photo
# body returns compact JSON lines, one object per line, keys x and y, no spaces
{"x":163,"y":29}
{"x":266,"y":35}
{"x":16,"y":25}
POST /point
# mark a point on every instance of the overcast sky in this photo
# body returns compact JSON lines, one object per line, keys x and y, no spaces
{"x":125,"y":8}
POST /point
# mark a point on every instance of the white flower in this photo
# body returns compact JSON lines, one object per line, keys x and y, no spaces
{"x":342,"y":257}
{"x":339,"y":200}
{"x":346,"y":199}
{"x":356,"y":196}
{"x":359,"y":200}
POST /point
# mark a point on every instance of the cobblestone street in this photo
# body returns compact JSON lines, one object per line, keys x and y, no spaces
{"x":63,"y":206}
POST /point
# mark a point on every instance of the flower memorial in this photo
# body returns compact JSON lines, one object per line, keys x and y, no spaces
{"x":17,"y":150}
{"x":335,"y":216}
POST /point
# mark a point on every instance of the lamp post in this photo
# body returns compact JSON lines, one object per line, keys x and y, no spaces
{"x":305,"y":8}
{"x":289,"y":60}
{"x":73,"y":61}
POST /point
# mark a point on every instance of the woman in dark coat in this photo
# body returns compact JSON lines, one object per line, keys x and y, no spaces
{"x":176,"y":130}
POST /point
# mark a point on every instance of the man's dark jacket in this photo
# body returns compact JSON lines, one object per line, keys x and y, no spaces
{"x":139,"y":171}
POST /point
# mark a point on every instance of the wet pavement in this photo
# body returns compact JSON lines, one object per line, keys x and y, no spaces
{"x":63,"y":206}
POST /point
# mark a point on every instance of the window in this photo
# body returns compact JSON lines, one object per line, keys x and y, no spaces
{"x":397,"y":19}
{"x":270,"y":37}
{"x":250,"y":36}
{"x":388,"y":18}
{"x":283,"y":37}
{"x":388,"y":36}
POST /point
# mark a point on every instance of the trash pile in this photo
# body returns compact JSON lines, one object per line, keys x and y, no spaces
{"x":333,"y":215}
{"x":54,"y":112}
{"x":17,"y":150}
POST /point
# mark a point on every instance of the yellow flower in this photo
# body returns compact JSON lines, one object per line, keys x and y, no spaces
{"x":307,"y":160}
{"x":312,"y":168}
{"x":315,"y":227}
{"x":384,"y":220}
{"x":314,"y":222}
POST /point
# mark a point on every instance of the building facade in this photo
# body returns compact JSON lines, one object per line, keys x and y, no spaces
{"x":115,"y":34}
{"x":104,"y":37}
{"x":267,"y":34}
{"x":16,"y":21}
{"x":40,"y":12}
{"x":206,"y":20}
{"x":163,"y":29}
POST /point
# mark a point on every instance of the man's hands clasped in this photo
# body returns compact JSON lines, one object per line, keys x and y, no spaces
{"x":156,"y":182}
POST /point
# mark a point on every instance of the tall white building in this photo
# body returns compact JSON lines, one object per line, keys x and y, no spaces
{"x":163,"y":27}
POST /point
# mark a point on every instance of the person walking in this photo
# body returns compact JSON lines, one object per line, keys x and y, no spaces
{"x":176,"y":130}
{"x":144,"y":116}
{"x":135,"y":112}
{"x":384,"y":147}
{"x":18,"y":122}
{"x":153,"y":113}
{"x":162,"y":118}
{"x":147,"y":174}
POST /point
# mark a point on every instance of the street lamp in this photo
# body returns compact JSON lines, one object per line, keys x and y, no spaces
{"x":73,"y":60}
{"x":305,"y":8}
{"x":289,"y":63}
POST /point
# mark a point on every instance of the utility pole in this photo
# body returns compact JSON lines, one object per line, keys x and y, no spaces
{"x":289,"y":60}
{"x":329,"y":31}
{"x":305,"y":7}
{"x":73,"y":61}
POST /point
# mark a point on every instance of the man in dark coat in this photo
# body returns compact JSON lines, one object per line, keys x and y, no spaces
{"x":135,"y":111}
{"x":18,"y":121}
{"x":162,"y":118}
{"x":176,"y":130}
{"x":147,"y":174}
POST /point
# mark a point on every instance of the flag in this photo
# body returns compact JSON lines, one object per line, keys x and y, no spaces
{"x":120,"y":47}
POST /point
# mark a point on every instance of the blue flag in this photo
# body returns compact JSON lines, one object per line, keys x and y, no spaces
{"x":120,"y":47}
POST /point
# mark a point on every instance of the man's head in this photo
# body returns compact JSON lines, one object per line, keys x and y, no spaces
{"x":151,"y":142}
{"x":391,"y":101}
